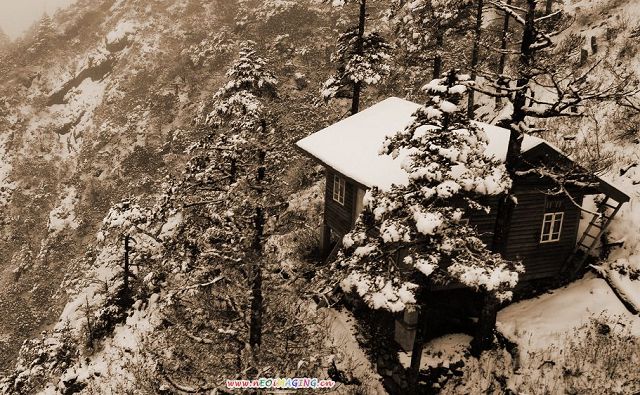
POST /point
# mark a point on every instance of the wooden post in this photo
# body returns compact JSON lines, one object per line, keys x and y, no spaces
{"x":416,"y":355}
{"x":422,"y":335}
{"x":483,"y":339}
{"x":325,"y":239}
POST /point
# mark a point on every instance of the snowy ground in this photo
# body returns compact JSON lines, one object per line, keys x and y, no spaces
{"x":355,"y":362}
{"x":545,"y":321}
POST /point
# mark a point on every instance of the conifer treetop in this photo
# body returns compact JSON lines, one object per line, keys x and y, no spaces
{"x":413,"y":235}
{"x":241,"y":98}
{"x":368,"y":68}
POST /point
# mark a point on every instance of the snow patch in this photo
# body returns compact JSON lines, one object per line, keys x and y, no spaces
{"x":352,"y":145}
{"x":543,"y":322}
{"x":63,"y":216}
{"x":121,"y":32}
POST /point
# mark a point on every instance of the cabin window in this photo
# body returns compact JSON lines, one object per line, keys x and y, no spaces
{"x":338,"y":189}
{"x":551,"y":227}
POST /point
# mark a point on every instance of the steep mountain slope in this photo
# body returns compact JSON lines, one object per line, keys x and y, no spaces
{"x":98,"y":105}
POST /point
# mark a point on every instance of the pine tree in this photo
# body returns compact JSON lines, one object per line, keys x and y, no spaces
{"x":412,"y":236}
{"x":361,"y":58}
{"x":45,"y":33}
{"x":423,"y":25}
{"x":239,"y":108}
{"x":448,"y":175}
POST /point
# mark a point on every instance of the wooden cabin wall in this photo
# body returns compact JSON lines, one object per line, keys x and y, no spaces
{"x":485,"y":222}
{"x":523,"y":241}
{"x":337,"y":216}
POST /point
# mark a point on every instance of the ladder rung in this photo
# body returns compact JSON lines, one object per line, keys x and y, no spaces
{"x":589,"y":235}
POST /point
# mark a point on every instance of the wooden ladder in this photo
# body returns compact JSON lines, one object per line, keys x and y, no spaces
{"x":334,"y":252}
{"x":588,"y":240}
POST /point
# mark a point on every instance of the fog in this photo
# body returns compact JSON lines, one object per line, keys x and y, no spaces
{"x":17,"y":15}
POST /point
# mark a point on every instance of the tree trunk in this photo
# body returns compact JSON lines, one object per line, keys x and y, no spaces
{"x":520,"y":99}
{"x":355,"y":100}
{"x":514,"y":146}
{"x":437,"y":60}
{"x":486,"y":323}
{"x":357,"y":87}
{"x":504,"y":40}
{"x":233,"y":171}
{"x":505,"y":209}
{"x":255,"y":325}
{"x":475,"y":55}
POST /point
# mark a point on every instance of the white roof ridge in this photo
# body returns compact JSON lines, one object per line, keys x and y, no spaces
{"x":351,"y":145}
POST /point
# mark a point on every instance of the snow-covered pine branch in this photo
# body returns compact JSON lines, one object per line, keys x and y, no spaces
{"x":368,"y":68}
{"x":411,"y":236}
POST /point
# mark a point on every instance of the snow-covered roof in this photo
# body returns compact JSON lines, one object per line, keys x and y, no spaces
{"x":351,"y":145}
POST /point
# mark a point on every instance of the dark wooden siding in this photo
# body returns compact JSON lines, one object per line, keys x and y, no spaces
{"x":523,"y":241}
{"x":337,"y":216}
{"x":485,"y":222}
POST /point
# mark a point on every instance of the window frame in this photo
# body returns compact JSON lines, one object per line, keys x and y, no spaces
{"x":338,"y":194}
{"x":551,"y":236}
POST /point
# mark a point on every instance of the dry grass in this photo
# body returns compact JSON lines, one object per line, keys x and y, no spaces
{"x":598,"y":358}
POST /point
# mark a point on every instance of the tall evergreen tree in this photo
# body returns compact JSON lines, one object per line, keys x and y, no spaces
{"x":45,"y":33}
{"x":361,"y":58}
{"x":239,"y":107}
{"x":412,"y":236}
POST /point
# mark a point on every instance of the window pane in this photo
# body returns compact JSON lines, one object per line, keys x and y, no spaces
{"x":551,"y":227}
{"x":546,"y":228}
{"x":338,"y":189}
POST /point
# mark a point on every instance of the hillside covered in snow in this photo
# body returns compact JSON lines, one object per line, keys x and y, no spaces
{"x":159,"y":229}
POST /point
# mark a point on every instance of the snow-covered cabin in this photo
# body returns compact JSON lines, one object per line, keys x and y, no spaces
{"x":543,"y":231}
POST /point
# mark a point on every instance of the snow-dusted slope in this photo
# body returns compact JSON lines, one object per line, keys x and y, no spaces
{"x":97,"y":106}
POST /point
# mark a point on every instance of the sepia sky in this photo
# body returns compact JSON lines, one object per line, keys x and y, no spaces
{"x":17,"y":15}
